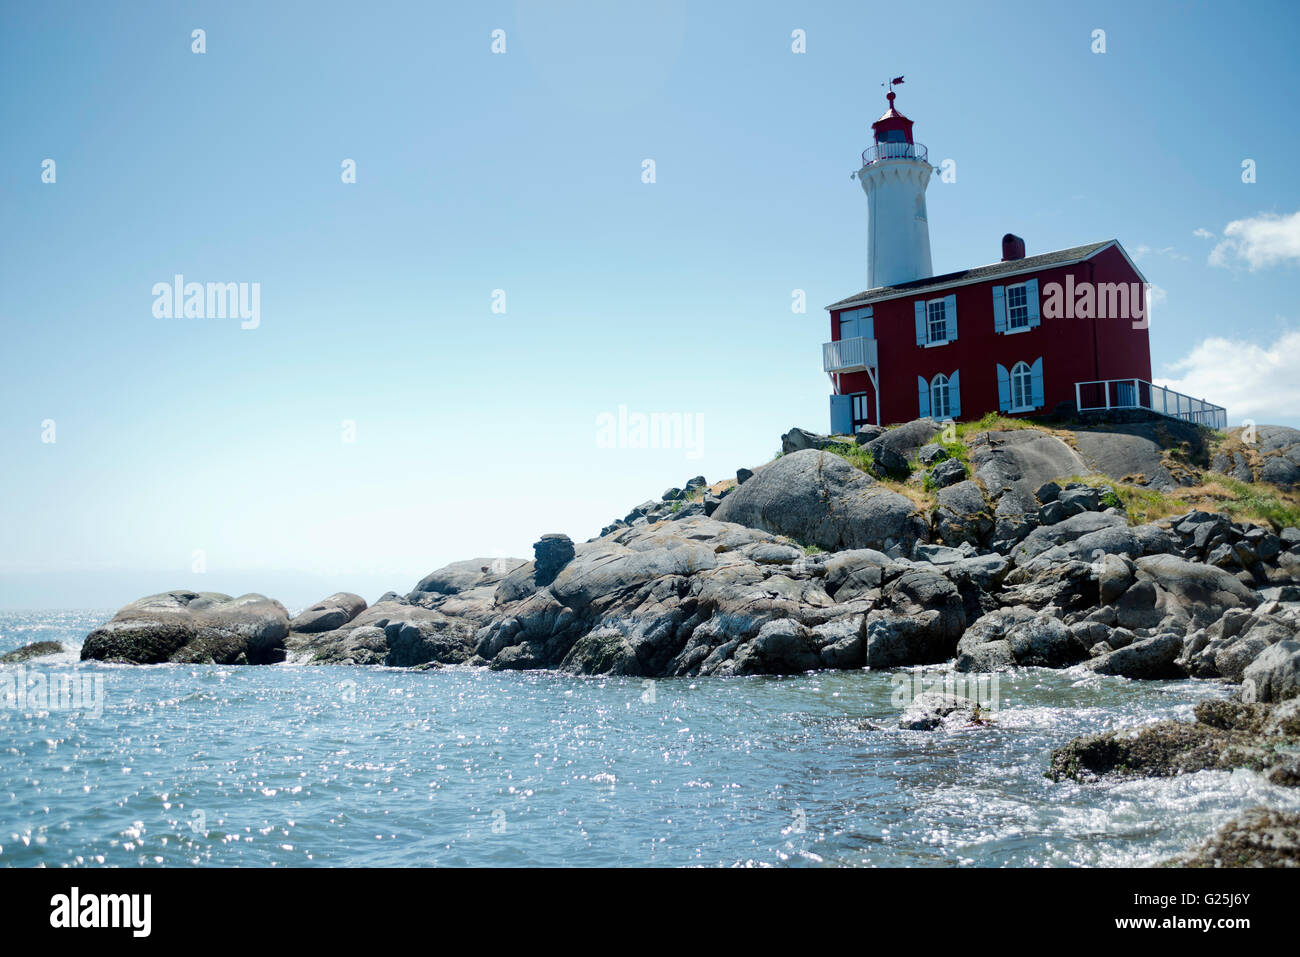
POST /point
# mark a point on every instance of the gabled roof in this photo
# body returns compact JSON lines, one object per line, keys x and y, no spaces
{"x":1062,"y":257}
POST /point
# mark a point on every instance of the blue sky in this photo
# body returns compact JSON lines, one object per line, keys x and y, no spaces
{"x":475,"y":431}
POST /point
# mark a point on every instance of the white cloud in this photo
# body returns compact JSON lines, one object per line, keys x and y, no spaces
{"x":1202,"y":233}
{"x":1143,"y":251}
{"x":1253,"y":382}
{"x":1261,"y":241}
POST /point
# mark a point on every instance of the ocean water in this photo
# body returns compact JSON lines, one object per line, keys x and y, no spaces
{"x":292,"y":766}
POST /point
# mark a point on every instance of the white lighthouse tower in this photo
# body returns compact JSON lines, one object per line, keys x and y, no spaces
{"x":894,"y":175}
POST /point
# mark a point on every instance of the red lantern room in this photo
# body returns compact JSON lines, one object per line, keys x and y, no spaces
{"x":893,"y":127}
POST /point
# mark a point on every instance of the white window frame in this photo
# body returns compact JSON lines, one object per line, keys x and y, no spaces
{"x":929,"y":323}
{"x":1028,"y":392}
{"x":935,"y":386}
{"x":1025,"y":327}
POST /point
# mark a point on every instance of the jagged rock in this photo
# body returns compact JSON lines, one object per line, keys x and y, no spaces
{"x":926,"y":617}
{"x":1065,"y":531}
{"x":931,"y":454}
{"x":948,"y":472}
{"x":551,"y":553}
{"x":930,"y":709}
{"x":743,"y":476}
{"x":1068,"y":585}
{"x":193,"y":627}
{"x":868,"y":432}
{"x":329,"y":613}
{"x":820,"y":499}
{"x":887,"y":463}
{"x":1275,"y":674}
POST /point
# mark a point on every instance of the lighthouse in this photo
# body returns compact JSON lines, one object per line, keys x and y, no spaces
{"x":894,"y":175}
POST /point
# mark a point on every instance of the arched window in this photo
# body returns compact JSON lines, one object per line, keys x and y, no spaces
{"x":1022,"y":386}
{"x":939,"y":406}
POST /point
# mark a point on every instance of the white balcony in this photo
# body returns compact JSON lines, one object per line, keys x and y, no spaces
{"x":849,"y":355}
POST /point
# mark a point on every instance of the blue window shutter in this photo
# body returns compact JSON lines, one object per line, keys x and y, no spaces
{"x":950,"y":315}
{"x":999,"y":309}
{"x":923,"y":396}
{"x":954,"y":395}
{"x":841,"y":415}
{"x":1004,"y":388}
{"x":1036,"y":381}
{"x":920,"y":323}
{"x":1031,"y":296}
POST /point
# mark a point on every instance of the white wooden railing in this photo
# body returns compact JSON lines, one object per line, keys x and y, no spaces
{"x":1105,"y":394}
{"x":848,"y":355}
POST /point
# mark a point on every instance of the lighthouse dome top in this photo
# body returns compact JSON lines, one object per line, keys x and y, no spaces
{"x":893,"y":126}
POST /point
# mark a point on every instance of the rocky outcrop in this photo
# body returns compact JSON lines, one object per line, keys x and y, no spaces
{"x":193,"y":627}
{"x":393,"y":632}
{"x":820,"y":499}
{"x":555,"y":550}
{"x":1271,"y":454}
{"x":1260,"y":837}
{"x":462,"y":576}
{"x":809,"y":562}
{"x":37,"y":649}
{"x":933,"y":709}
{"x":1225,"y":735}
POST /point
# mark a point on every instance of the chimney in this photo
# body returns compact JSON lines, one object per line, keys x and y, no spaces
{"x":1013,"y":247}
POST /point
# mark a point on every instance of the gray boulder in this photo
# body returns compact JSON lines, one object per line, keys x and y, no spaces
{"x":906,"y":439}
{"x":1063,"y":532}
{"x":193,"y":627}
{"x":1274,"y":675}
{"x":931,"y":709}
{"x":818,"y":498}
{"x":948,"y":472}
{"x":798,"y":440}
{"x":329,"y":613}
{"x":1148,"y":658}
{"x":962,"y":514}
{"x":1191,"y":591}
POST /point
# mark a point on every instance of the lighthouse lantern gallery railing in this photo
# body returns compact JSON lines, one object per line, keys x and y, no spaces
{"x":894,"y":151}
